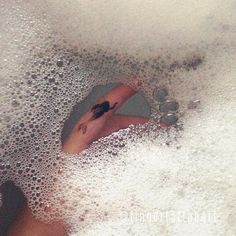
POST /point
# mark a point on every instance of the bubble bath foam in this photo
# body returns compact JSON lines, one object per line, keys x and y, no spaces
{"x":140,"y":180}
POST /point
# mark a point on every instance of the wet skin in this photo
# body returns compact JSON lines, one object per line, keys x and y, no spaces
{"x":98,"y":110}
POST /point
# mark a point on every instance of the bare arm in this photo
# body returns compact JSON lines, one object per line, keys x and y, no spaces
{"x":91,"y":125}
{"x":117,"y":122}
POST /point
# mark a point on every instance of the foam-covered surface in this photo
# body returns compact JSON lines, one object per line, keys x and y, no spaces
{"x":54,"y":52}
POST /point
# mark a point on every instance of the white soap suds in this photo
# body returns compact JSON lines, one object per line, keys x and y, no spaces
{"x":138,"y":181}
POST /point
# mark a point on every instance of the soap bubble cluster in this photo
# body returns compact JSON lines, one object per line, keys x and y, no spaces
{"x":53,"y":54}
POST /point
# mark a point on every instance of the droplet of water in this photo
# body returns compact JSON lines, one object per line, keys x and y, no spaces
{"x":193,"y":104}
{"x":15,"y":103}
{"x":59,"y":63}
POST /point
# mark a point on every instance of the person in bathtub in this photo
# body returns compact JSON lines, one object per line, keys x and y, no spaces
{"x":99,"y":121}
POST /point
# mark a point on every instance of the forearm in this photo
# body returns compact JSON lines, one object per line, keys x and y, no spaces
{"x":117,"y":122}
